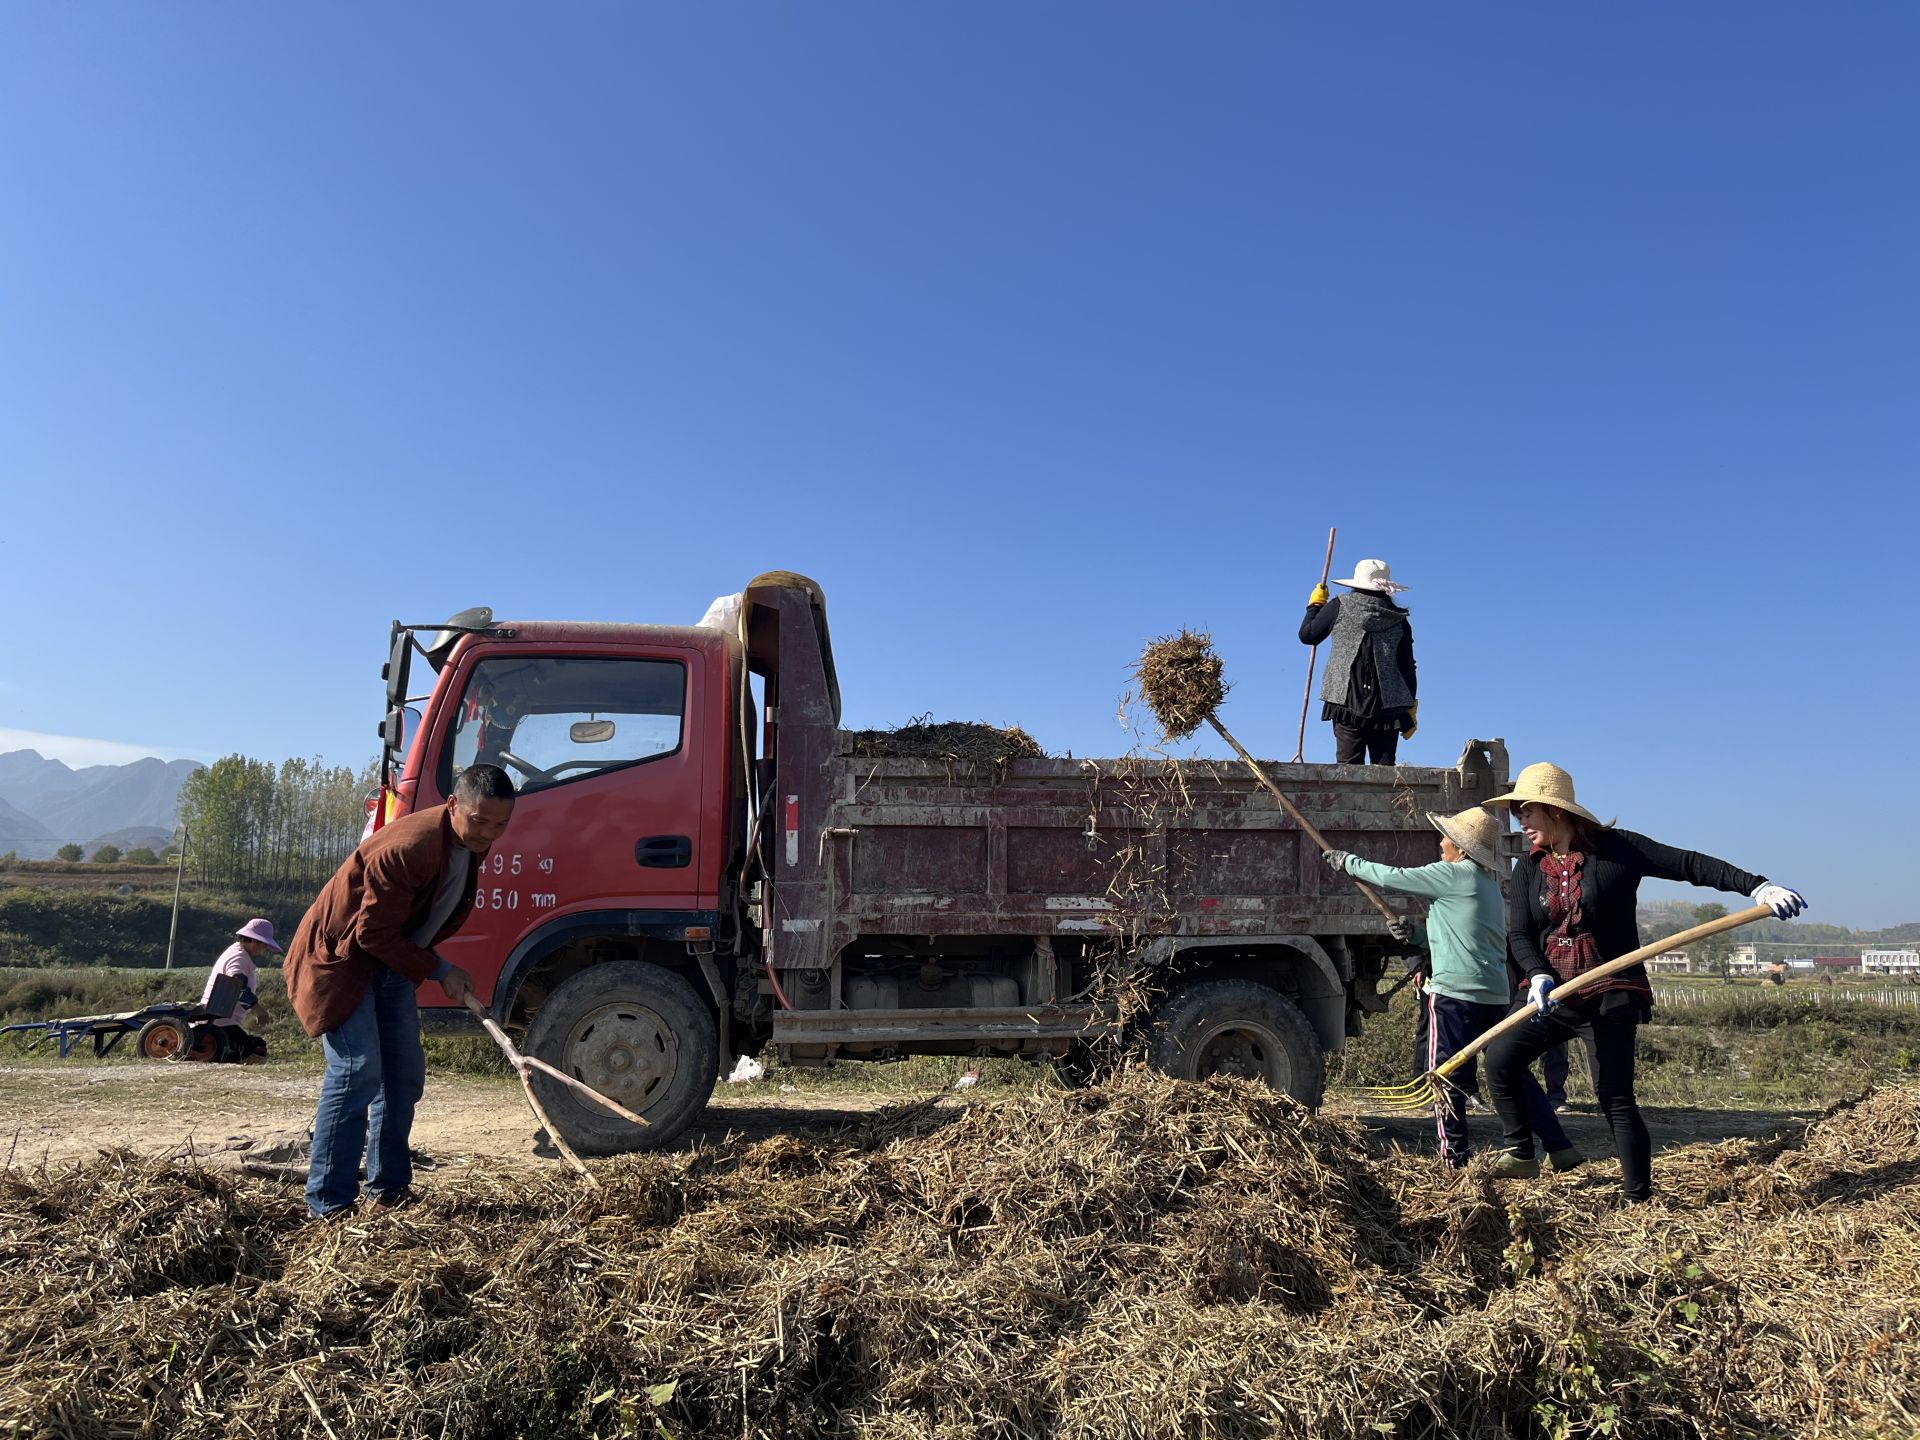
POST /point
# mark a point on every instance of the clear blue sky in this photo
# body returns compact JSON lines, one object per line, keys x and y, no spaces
{"x":1032,"y":331}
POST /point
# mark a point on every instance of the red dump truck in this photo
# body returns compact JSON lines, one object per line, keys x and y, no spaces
{"x":700,"y":866}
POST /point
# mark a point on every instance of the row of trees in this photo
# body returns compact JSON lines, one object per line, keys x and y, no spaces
{"x":110,"y":855}
{"x":264,"y":830}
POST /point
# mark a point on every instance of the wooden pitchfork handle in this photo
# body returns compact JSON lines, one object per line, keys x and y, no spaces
{"x":1298,"y":819}
{"x":1313,"y":656}
{"x":525,"y":1065}
{"x":1601,"y":972}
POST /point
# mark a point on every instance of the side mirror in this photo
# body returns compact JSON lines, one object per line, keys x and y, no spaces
{"x":393,"y":731}
{"x":590,"y":732}
{"x":394,"y":672}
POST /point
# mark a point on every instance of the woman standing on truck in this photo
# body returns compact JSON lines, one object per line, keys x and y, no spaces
{"x":1572,"y":906}
{"x":1466,"y":990}
{"x":1369,"y":691}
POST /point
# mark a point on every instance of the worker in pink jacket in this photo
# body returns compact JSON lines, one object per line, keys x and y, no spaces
{"x":231,"y":992}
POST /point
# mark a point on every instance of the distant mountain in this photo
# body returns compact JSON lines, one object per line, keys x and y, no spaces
{"x":87,"y":805}
{"x":24,"y":835}
{"x":28,"y":777}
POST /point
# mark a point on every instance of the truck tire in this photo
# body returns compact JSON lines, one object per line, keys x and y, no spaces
{"x":161,"y":1039}
{"x":1238,"y":1027}
{"x":636,"y":1033}
{"x":1082,"y":1066}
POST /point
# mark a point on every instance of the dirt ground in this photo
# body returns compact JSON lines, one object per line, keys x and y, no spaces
{"x":57,"y":1114}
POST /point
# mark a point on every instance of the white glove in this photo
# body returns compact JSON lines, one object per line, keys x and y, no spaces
{"x":1784,"y":903}
{"x":1336,"y":860}
{"x":1537,"y":989}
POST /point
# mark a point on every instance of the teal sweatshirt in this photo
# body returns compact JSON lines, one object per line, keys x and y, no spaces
{"x":1466,"y":924}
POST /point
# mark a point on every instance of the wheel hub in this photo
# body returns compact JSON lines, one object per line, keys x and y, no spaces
{"x":625,"y":1051}
{"x":1245,"y":1053}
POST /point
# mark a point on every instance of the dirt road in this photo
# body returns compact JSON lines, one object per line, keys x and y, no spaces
{"x":61,"y":1113}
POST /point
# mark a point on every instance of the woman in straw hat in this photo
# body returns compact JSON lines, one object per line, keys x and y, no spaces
{"x":1467,"y":988}
{"x":1369,"y":691}
{"x":1573,"y":905}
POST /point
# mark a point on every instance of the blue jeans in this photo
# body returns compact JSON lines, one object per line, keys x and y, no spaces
{"x":376,"y":1072}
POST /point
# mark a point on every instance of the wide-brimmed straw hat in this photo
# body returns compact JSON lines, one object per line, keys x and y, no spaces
{"x":261,"y":930}
{"x":1545,"y":784}
{"x":1374,"y":575}
{"x":1477,"y":832}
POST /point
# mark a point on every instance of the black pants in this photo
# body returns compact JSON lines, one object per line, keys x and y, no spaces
{"x":1608,"y":1033}
{"x":1443,"y":1025}
{"x":1354,"y":746}
{"x":1553,"y":1075}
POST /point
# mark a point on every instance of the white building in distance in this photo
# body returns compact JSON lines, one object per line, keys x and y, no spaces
{"x":1904,"y":963}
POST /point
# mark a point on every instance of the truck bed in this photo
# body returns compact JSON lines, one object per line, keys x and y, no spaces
{"x":1059,"y":847}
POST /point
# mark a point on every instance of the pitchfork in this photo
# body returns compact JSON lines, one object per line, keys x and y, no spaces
{"x":525,"y":1065}
{"x":1420,"y":1093}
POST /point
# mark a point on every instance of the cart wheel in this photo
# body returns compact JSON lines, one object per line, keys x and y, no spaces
{"x":203,"y":1044}
{"x":161,"y":1039}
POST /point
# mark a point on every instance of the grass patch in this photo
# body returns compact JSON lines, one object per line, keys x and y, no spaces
{"x":1750,"y":1048}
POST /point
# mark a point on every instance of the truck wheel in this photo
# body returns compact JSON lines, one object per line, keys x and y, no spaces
{"x":161,"y":1039}
{"x":1238,"y":1027}
{"x":639,"y":1035}
{"x":1082,"y":1066}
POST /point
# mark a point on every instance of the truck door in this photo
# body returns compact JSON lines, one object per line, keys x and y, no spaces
{"x":608,"y":815}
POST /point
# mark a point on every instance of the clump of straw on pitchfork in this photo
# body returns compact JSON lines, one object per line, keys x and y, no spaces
{"x":1184,"y":684}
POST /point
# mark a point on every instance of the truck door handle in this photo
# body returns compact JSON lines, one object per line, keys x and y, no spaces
{"x":664,"y":852}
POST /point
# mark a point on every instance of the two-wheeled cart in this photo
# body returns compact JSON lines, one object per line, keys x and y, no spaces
{"x":169,"y":1030}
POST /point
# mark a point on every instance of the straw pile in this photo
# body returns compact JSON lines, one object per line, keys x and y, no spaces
{"x":1142,"y":1259}
{"x":950,"y":740}
{"x":1180,"y":677}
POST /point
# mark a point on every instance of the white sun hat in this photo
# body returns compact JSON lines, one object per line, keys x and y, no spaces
{"x":1372,"y":575}
{"x":1477,"y":832}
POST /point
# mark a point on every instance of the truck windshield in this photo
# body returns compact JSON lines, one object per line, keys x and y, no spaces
{"x":550,"y":720}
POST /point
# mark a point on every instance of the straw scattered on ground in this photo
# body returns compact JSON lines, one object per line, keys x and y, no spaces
{"x":1146,"y":1258}
{"x":951,"y":740}
{"x":1180,"y":677}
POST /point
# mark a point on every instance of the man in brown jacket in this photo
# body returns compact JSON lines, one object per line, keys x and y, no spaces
{"x":363,"y":949}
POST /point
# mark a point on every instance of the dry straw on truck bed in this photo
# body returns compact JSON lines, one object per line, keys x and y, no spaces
{"x":951,"y":740}
{"x":1144,"y":1259}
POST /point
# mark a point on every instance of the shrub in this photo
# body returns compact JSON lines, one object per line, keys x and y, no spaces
{"x":69,"y":853}
{"x":107,"y":855}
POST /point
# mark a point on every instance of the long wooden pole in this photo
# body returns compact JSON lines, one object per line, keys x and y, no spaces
{"x":1313,"y":656}
{"x":1569,"y":988}
{"x":179,"y":872}
{"x":1298,"y":819}
{"x":525,"y":1065}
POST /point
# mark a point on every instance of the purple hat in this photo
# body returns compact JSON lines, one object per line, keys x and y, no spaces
{"x":261,"y":930}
